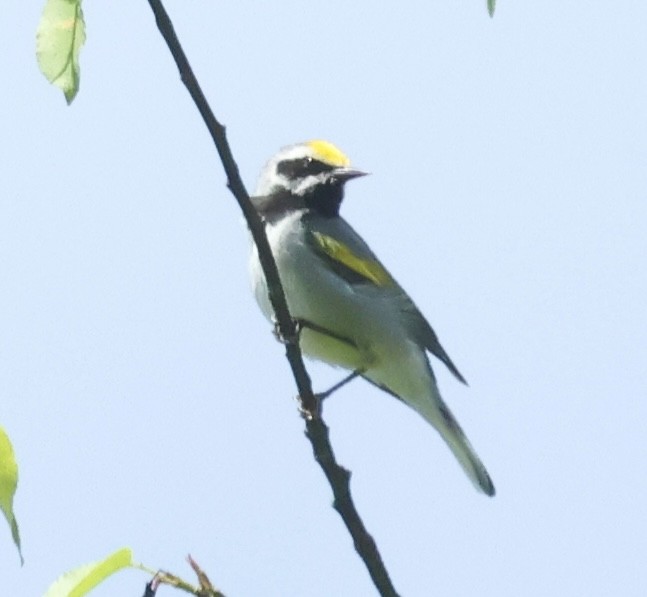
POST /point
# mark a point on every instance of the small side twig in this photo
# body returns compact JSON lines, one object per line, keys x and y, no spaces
{"x":316,"y":429}
{"x":204,"y":588}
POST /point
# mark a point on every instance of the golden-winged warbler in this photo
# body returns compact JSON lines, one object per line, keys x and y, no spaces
{"x":351,"y":311}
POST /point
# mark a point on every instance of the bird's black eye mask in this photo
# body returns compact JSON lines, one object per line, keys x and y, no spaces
{"x":302,"y":167}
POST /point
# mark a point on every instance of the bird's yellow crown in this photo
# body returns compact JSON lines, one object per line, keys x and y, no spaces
{"x":328,"y":153}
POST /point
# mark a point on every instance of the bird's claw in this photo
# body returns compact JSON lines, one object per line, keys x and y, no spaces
{"x":307,"y":413}
{"x":289,"y":339}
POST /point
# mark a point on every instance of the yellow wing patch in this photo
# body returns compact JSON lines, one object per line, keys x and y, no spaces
{"x":328,"y":153}
{"x":370,"y":269}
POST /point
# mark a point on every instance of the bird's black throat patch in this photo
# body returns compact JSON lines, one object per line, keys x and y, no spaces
{"x":325,"y":198}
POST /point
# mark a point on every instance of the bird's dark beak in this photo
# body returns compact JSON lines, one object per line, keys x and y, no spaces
{"x":345,"y":174}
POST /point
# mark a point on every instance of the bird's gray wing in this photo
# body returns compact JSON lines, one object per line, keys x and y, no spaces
{"x":349,"y":256}
{"x":344,"y":251}
{"x":428,"y":338}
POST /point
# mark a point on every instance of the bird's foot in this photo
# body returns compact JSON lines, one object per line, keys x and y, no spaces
{"x":310,"y":414}
{"x":292,"y":338}
{"x":307,"y":413}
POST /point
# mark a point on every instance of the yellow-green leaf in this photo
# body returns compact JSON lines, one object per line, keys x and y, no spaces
{"x":8,"y":484}
{"x":61,"y":33}
{"x":491,"y":4}
{"x":82,"y":580}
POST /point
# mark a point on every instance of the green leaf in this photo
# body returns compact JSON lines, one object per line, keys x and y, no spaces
{"x":61,"y":33}
{"x":491,"y":4}
{"x":8,"y":484}
{"x":82,"y":580}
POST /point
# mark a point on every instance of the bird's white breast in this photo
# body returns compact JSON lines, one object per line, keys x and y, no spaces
{"x":314,"y":293}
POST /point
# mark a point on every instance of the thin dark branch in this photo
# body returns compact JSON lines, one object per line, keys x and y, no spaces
{"x":339,"y":479}
{"x":286,"y":325}
{"x":316,"y":429}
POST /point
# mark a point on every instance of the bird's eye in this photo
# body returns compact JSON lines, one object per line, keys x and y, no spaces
{"x":312,"y":167}
{"x":302,"y":167}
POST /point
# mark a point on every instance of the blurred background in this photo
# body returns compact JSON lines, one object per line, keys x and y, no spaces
{"x":147,"y":400}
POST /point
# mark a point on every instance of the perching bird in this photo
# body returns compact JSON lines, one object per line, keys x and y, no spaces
{"x":352,"y":312}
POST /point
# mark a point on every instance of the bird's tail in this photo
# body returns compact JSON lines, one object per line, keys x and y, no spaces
{"x":437,"y":413}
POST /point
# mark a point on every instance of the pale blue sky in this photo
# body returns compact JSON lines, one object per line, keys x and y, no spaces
{"x":148,"y":402}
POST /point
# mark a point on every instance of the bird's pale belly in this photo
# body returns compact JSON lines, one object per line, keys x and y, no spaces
{"x":334,"y":350}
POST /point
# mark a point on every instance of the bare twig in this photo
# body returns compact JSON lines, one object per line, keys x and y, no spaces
{"x":316,"y":429}
{"x":204,"y":588}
